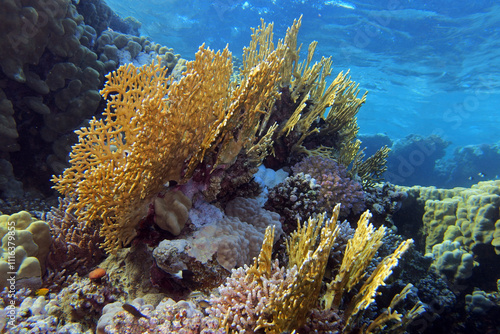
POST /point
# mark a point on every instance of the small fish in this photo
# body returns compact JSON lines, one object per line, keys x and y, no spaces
{"x":185,"y":274}
{"x":340,"y":3}
{"x":132,"y":310}
{"x":178,"y":274}
{"x":42,"y":292}
{"x":471,"y":178}
{"x":480,"y":174}
{"x":203,"y":304}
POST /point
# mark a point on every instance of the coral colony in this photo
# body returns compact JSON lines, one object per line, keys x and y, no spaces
{"x":210,"y":198}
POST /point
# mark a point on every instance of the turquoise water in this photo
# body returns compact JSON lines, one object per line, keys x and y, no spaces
{"x":430,"y":68}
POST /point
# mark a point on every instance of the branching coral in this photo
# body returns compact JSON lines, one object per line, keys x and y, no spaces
{"x":155,"y":131}
{"x":318,"y":119}
{"x":309,"y":256}
{"x":282,"y":299}
{"x":75,"y":245}
{"x":360,"y":250}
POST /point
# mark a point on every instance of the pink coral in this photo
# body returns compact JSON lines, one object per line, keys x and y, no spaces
{"x":336,"y":186}
{"x":242,"y":300}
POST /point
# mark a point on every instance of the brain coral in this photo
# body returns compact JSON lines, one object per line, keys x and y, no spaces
{"x":336,"y":186}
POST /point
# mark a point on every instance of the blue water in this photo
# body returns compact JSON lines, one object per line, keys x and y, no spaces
{"x":431,"y":67}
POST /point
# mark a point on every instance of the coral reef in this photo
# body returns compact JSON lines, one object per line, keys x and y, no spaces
{"x":316,"y":119}
{"x":9,"y":186}
{"x":346,"y":232}
{"x":24,"y":248}
{"x":99,"y":16}
{"x":413,"y":160}
{"x":171,"y":211}
{"x":234,"y":238}
{"x":220,"y":149}
{"x":130,"y":270}
{"x":276,"y":299}
{"x":58,"y":80}
{"x":31,"y":315}
{"x":419,"y":160}
{"x":168,"y":317}
{"x":295,"y":198}
{"x":336,"y":186}
{"x":480,"y":302}
{"x":51,"y":70}
{"x":466,"y":215}
{"x":458,"y":227}
{"x":384,"y":200}
{"x":75,"y":246}
{"x":157,"y":181}
{"x":115,"y":49}
{"x":82,"y":301}
{"x":74,"y":310}
{"x":37,"y":203}
{"x":430,"y":290}
{"x":470,"y":164}
{"x":483,"y":309}
{"x":452,"y":261}
{"x":173,"y":123}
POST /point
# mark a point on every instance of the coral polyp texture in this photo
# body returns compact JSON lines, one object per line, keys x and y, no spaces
{"x":335,"y":185}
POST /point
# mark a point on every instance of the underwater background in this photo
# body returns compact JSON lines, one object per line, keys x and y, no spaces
{"x":154,"y":181}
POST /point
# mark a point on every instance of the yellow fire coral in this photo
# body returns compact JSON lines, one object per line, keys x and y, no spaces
{"x":290,"y":308}
{"x":155,"y":130}
{"x":276,"y":299}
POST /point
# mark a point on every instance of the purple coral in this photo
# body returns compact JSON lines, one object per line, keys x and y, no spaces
{"x":336,"y":186}
{"x":75,"y":246}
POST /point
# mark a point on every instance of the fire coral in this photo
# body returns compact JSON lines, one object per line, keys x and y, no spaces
{"x":155,"y":130}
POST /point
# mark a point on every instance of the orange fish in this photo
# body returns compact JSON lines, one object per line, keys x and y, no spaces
{"x":42,"y":292}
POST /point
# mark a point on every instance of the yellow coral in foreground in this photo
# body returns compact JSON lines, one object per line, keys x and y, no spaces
{"x":155,"y":130}
{"x":308,"y":249}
